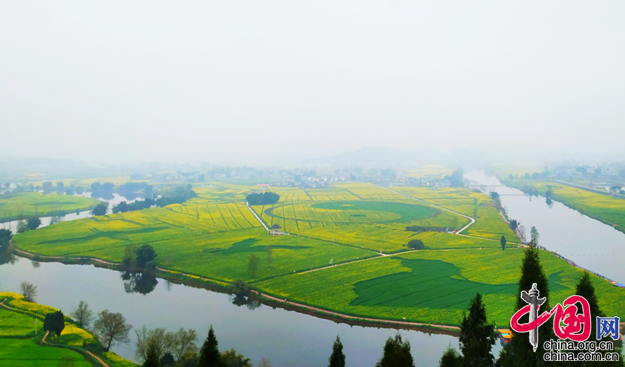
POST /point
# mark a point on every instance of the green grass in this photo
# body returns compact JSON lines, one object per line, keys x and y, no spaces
{"x":20,"y":346}
{"x":435,"y":289}
{"x":17,"y":324}
{"x":26,"y":352}
{"x":26,"y":204}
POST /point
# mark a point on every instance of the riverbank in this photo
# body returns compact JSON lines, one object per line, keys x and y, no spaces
{"x":265,"y":298}
{"x":600,"y":206}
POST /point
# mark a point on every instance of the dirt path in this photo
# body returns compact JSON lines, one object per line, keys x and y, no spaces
{"x":434,"y":205}
{"x":5,"y":306}
{"x":43,"y":340}
{"x":344,"y":316}
{"x":256,"y":216}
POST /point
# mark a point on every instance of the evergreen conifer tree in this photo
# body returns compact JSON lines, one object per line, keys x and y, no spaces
{"x":396,"y":353}
{"x":337,"y":359}
{"x":151,"y":358}
{"x":519,"y":352}
{"x":477,"y":336}
{"x":209,"y":354}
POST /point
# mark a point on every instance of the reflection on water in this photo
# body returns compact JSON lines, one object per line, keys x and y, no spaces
{"x":137,"y":282}
{"x":286,"y":338}
{"x":587,"y":242}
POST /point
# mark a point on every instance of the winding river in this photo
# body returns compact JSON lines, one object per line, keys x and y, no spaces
{"x":289,"y":338}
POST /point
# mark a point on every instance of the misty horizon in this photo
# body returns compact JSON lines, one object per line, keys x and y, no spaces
{"x":282,"y":83}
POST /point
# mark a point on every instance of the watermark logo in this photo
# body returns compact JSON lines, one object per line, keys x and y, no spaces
{"x":608,"y":326}
{"x":571,"y":324}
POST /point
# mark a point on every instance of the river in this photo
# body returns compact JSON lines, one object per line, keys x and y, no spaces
{"x":46,"y":221}
{"x":287,"y":338}
{"x":587,"y":242}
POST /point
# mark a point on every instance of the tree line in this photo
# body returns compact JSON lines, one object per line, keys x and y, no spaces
{"x":264,"y":198}
{"x":178,"y":196}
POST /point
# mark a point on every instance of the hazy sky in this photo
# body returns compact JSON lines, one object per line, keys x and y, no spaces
{"x":217,"y":79}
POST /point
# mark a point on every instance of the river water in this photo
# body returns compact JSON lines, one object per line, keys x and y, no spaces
{"x":46,"y":221}
{"x":287,"y":338}
{"x":587,"y":242}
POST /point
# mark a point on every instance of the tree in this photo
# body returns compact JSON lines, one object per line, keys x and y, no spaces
{"x":145,"y":255}
{"x":54,"y":323}
{"x":209,"y":354}
{"x":184,"y":342}
{"x":82,"y":315}
{"x":477,"y":336}
{"x":265,"y":198}
{"x":60,"y":187}
{"x":416,"y":244}
{"x":587,"y":290}
{"x":189,"y":359}
{"x":100,"y":209}
{"x":519,"y":352}
{"x":534,"y":234}
{"x":167,"y":360}
{"x":22,"y":226}
{"x":252,"y":264}
{"x":163,"y":340}
{"x":29,"y":291}
{"x":503,"y":243}
{"x":396,"y":353}
{"x":151,"y":357}
{"x":337,"y":358}
{"x":111,"y":328}
{"x":451,"y":358}
{"x":5,"y":238}
{"x":264,"y":362}
{"x":230,"y":358}
{"x":33,"y":223}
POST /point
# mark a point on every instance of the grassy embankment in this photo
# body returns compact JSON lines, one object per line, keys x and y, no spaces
{"x":25,"y":204}
{"x":213,"y":235}
{"x":20,"y":346}
{"x":609,"y":210}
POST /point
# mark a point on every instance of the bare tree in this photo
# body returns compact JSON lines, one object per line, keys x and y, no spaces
{"x":162,"y":340}
{"x":264,"y":362}
{"x":185,"y":342}
{"x":82,"y":315}
{"x":111,"y":328}
{"x":29,"y":291}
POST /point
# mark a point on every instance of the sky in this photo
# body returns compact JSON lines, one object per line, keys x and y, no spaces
{"x":219,"y":80}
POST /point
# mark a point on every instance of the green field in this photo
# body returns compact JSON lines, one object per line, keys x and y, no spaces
{"x":214,"y":234}
{"x":433,"y":286}
{"x":26,"y":204}
{"x":608,"y":209}
{"x":20,"y":346}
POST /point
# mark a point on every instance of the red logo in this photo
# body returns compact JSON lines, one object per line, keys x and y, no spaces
{"x":567,"y":322}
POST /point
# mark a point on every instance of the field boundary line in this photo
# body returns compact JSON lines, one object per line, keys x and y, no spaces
{"x":436,"y":206}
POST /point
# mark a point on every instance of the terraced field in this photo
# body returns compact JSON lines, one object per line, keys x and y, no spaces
{"x":336,"y":254}
{"x":20,"y":346}
{"x":26,"y":204}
